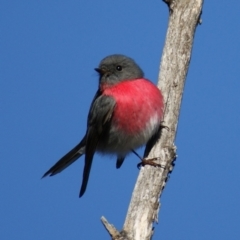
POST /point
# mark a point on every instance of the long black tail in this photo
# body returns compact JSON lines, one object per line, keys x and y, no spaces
{"x":67,"y":159}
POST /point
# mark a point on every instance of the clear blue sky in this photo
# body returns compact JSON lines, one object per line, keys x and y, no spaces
{"x":48,"y":50}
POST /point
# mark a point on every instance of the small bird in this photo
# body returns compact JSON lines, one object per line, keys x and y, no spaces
{"x":126,"y":112}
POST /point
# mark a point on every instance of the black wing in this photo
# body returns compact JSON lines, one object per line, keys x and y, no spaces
{"x":99,"y":117}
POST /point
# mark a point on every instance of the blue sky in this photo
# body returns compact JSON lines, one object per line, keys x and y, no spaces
{"x":48,"y":50}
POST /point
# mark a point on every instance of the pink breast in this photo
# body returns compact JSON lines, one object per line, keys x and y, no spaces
{"x":137,"y":103}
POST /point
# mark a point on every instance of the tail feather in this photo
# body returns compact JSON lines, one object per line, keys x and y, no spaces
{"x":66,"y":160}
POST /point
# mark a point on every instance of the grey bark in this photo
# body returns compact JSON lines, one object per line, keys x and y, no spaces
{"x":145,"y":203}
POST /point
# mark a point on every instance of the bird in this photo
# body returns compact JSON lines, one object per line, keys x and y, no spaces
{"x":125,"y":114}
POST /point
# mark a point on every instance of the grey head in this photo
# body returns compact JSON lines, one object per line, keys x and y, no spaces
{"x":116,"y":68}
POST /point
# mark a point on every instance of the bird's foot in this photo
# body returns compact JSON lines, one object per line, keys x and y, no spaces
{"x":163,"y":125}
{"x":149,"y":162}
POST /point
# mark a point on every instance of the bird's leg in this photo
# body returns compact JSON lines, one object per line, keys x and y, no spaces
{"x":147,"y":161}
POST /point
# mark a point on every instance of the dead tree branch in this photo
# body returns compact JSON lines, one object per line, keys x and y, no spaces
{"x":145,"y":203}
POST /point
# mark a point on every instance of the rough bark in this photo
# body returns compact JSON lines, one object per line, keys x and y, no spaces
{"x":145,"y":203}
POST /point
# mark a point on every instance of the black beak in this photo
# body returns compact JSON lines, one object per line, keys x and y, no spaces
{"x":100,"y":70}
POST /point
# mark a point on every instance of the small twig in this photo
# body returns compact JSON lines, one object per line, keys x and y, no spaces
{"x":113,"y":232}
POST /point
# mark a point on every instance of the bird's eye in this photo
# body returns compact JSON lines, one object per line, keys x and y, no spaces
{"x":119,"y":68}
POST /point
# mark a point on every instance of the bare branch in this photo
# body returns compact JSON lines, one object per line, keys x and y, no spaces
{"x":113,"y":232}
{"x":144,"y":206}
